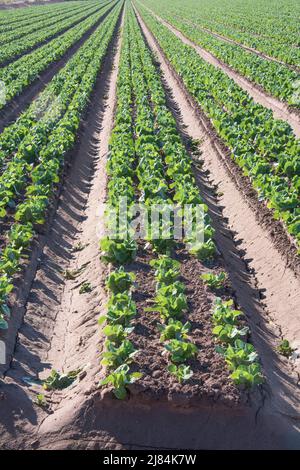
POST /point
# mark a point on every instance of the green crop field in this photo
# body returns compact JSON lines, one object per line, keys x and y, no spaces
{"x":150,"y":225}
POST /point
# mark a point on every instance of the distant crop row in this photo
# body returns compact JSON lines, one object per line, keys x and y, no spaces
{"x":264,"y":148}
{"x":276,"y":79}
{"x":34,"y":147}
{"x":17,"y":18}
{"x":46,"y":31}
{"x":21,"y":73}
{"x":259,"y":27}
{"x":10,"y":33}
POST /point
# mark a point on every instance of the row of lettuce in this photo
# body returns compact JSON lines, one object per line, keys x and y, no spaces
{"x":34,"y":147}
{"x":275,"y":36}
{"x":264,"y":148}
{"x":149,"y":163}
{"x":20,"y":29}
{"x":273,"y":77}
{"x":20,"y":41}
{"x":18,"y":75}
{"x":16,"y":18}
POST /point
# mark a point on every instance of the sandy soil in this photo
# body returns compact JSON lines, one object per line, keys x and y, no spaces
{"x":280,"y":110}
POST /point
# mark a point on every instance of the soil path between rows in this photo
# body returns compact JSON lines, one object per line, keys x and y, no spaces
{"x":59,"y":329}
{"x":278,"y":313}
{"x":11,"y":111}
{"x":280,"y":110}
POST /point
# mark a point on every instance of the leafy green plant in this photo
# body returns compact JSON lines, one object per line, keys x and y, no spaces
{"x":203,"y":250}
{"x":240,"y":353}
{"x":226,"y":333}
{"x":118,"y":251}
{"x":224,"y":314}
{"x":180,"y":351}
{"x":116,"y":356}
{"x":175,"y":329}
{"x":116,"y":333}
{"x":248,"y":375}
{"x":214,"y":281}
{"x":120,"y":280}
{"x":166,"y":269}
{"x":181,"y":372}
{"x":85,"y":288}
{"x":285,"y":348}
{"x":41,"y":400}
{"x":57,"y":381}
{"x":121,"y":310}
{"x":120,"y":379}
{"x":169,"y":306}
{"x":20,"y":236}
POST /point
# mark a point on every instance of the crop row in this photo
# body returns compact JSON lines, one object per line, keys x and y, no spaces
{"x":56,"y":26}
{"x":263,"y":147}
{"x":265,"y":34}
{"x":36,"y":169}
{"x":148,"y":162}
{"x":29,"y":29}
{"x":276,"y":79}
{"x":17,"y":18}
{"x":21,"y":73}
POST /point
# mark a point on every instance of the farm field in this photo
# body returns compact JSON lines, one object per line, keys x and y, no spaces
{"x":150,"y":225}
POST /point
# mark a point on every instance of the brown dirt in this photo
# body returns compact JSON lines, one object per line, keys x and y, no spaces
{"x":15,"y":107}
{"x":280,"y":110}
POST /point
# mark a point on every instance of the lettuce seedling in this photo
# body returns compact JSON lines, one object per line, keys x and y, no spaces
{"x":116,"y":333}
{"x":116,"y":356}
{"x":181,"y":372}
{"x":121,"y":310}
{"x":227,"y":333}
{"x":181,"y":351}
{"x":224,"y":314}
{"x":175,"y":329}
{"x":240,"y":353}
{"x":166,"y":269}
{"x":120,"y":379}
{"x":214,"y":281}
{"x":57,"y":381}
{"x":118,"y":251}
{"x":120,"y":280}
{"x":204,"y":251}
{"x":285,"y":349}
{"x":248,"y":375}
